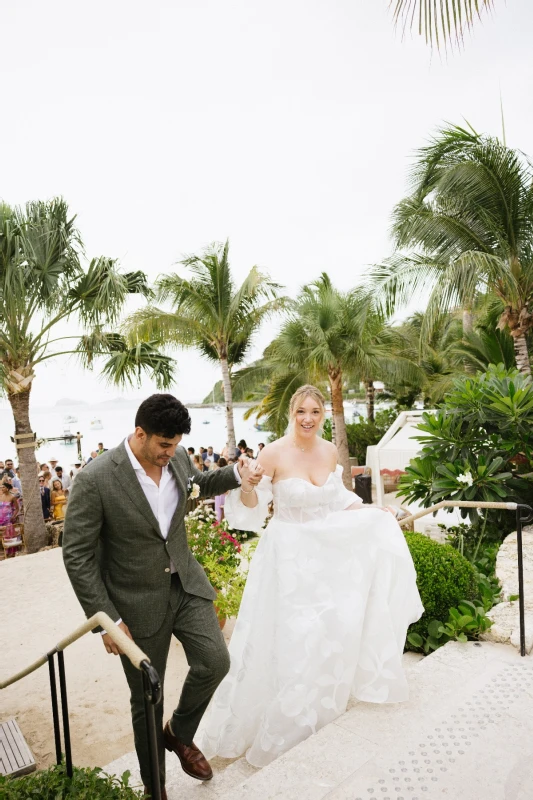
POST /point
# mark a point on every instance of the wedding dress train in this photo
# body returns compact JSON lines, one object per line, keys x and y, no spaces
{"x":328,"y":600}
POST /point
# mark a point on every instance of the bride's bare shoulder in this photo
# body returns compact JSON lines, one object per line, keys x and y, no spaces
{"x":271,"y":455}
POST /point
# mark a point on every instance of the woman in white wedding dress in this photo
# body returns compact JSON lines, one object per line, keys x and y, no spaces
{"x":330,"y":594}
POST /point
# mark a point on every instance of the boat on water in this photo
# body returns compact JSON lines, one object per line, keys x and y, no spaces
{"x":218,"y":408}
{"x":68,"y":419}
{"x":96,"y":424}
{"x":206,"y":422}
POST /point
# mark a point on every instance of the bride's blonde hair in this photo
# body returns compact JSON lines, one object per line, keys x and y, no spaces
{"x":299,"y":395}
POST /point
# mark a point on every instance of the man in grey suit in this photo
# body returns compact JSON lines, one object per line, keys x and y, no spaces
{"x":125,"y":550}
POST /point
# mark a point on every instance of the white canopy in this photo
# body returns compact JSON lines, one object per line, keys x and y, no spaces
{"x":394,"y":452}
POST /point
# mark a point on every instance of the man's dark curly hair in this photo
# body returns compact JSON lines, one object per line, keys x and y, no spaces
{"x":163,"y":415}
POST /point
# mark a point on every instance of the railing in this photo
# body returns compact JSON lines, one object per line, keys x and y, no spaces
{"x":151,"y":682}
{"x":524,"y":514}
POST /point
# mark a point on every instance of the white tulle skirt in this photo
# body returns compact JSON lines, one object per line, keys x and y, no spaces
{"x":324,"y":615}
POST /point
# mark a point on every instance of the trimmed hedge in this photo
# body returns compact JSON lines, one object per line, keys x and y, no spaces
{"x":444,"y":578}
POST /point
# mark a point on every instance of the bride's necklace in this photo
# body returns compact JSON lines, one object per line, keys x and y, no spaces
{"x":303,"y":449}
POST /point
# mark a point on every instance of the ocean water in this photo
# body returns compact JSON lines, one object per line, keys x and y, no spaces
{"x":208,"y":428}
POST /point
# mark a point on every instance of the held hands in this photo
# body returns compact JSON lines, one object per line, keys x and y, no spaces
{"x":110,"y":645}
{"x":250,"y":471}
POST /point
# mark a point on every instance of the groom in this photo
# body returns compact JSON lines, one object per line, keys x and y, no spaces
{"x":125,"y":550}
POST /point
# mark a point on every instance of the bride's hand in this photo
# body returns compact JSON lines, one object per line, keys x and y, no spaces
{"x":250,"y":471}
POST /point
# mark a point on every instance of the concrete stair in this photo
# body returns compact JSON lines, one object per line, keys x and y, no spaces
{"x":466,"y":732}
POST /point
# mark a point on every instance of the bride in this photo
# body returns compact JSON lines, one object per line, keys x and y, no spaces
{"x":330,"y":593}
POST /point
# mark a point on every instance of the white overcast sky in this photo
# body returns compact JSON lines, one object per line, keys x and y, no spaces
{"x":287,"y":126}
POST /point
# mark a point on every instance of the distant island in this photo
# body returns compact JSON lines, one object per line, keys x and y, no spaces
{"x":67,"y":401}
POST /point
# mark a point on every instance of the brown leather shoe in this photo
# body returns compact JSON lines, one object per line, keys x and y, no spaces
{"x":193,"y":761}
{"x":148,"y":794}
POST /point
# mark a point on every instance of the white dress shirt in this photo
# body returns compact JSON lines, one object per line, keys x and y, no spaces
{"x":163,"y":499}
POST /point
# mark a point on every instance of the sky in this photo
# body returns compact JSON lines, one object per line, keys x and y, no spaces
{"x":287,"y":126}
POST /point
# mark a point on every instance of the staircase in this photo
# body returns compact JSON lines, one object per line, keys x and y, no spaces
{"x":466,"y":733}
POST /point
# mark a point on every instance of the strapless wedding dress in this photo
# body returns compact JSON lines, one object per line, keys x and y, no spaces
{"x":328,"y":600}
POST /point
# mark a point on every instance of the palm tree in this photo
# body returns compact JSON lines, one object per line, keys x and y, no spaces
{"x":42,"y":284}
{"x":328,"y":337}
{"x":439,"y":23}
{"x":210,"y":313}
{"x":470,"y":216}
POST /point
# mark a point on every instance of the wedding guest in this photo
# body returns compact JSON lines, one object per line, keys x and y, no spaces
{"x":220,"y":499}
{"x":212,"y":455}
{"x":92,"y":456}
{"x":53,"y":464}
{"x":47,"y":475}
{"x":45,"y":498}
{"x":190,"y":451}
{"x":8,"y":469}
{"x":207,"y":464}
{"x":101,"y":449}
{"x":76,"y":468}
{"x":240,"y":449}
{"x":66,"y":481}
{"x":58,"y":500}
{"x":197,"y":461}
{"x":9,"y":511}
{"x":259,"y":448}
{"x":7,"y":480}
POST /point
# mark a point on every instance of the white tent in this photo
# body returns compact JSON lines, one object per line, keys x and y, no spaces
{"x":394,"y":452}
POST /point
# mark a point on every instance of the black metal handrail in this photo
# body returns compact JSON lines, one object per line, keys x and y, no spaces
{"x":151,"y":684}
{"x":524,"y":514}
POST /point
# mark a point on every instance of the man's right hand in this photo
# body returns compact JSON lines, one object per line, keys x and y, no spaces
{"x":110,"y":645}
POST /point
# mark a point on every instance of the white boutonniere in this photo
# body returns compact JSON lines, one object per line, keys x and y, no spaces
{"x":193,"y":490}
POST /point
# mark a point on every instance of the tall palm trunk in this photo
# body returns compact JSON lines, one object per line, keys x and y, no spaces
{"x":228,"y":403}
{"x":468,"y":320}
{"x":521,"y":353}
{"x":341,"y":437}
{"x":34,"y":529}
{"x":370,"y":392}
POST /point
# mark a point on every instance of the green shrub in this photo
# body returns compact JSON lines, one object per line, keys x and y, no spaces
{"x":444,"y":579}
{"x":54,"y":784}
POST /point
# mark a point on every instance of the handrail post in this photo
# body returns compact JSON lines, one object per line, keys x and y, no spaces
{"x":152,"y":696}
{"x":520,"y":519}
{"x":64,"y":709}
{"x":55,"y":709}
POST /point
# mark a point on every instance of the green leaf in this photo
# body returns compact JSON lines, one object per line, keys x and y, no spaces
{"x":415,"y":639}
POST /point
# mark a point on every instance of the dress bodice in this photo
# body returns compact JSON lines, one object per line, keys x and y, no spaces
{"x":297,"y":500}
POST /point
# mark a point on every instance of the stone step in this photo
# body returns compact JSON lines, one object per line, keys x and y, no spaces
{"x":466,"y":732}
{"x":228,"y":776}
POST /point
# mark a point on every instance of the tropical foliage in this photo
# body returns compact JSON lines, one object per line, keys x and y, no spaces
{"x":443,"y":24}
{"x":43,"y":283}
{"x":54,"y":783}
{"x":330,"y":338}
{"x":479,"y":446}
{"x":465,"y":229}
{"x":209,"y":313}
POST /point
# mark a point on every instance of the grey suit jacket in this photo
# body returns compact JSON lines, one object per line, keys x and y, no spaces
{"x":114,"y":553}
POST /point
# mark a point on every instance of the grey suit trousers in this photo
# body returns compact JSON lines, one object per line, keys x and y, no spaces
{"x":193,"y":621}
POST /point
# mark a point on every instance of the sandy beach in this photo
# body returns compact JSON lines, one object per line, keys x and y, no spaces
{"x":38,"y":608}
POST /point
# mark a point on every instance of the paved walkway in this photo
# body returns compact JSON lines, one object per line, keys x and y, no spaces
{"x":466,"y":733}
